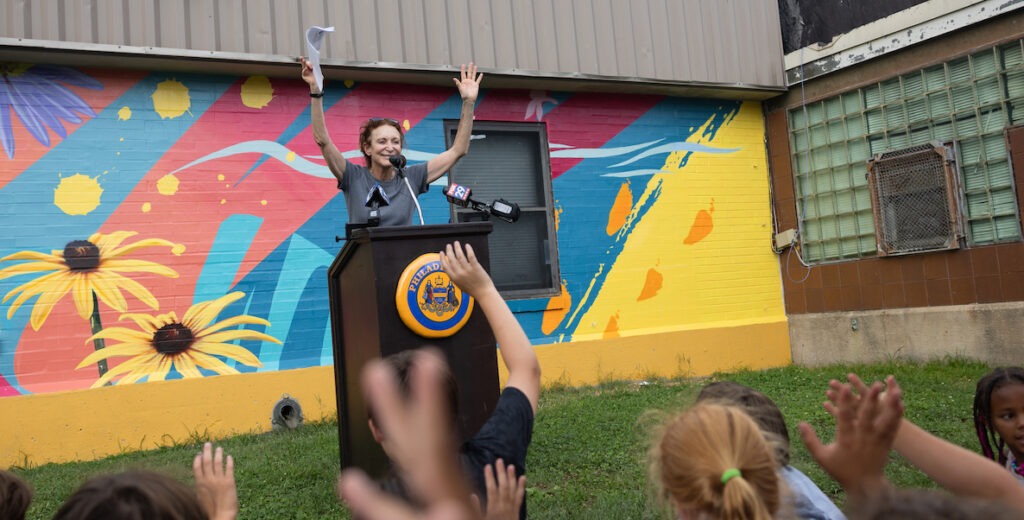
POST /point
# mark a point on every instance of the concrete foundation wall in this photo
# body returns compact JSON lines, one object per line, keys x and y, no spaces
{"x":989,"y":332}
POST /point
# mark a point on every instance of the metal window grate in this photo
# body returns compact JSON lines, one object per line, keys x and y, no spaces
{"x":914,"y":198}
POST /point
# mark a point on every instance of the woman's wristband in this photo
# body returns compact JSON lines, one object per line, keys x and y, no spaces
{"x":316,"y":94}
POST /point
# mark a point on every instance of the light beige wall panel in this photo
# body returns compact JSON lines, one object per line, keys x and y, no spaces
{"x":438,"y":46}
{"x":242,"y":29}
{"x":111,"y":22}
{"x":586,"y":37}
{"x":563,"y":22}
{"x":12,"y":19}
{"x":78,"y":18}
{"x":389,"y":20}
{"x":664,"y":43}
{"x":139,"y":23}
{"x":644,"y":40}
{"x":525,"y":35}
{"x":732,"y":42}
{"x":460,"y":33}
{"x":260,"y":20}
{"x":604,"y":33}
{"x":623,"y":36}
{"x":46,"y":21}
{"x":201,"y":26}
{"x":482,"y":33}
{"x":289,"y":34}
{"x":170,"y":25}
{"x":693,"y":62}
{"x":414,"y":33}
{"x":545,"y":39}
{"x":364,"y":32}
{"x":504,"y":34}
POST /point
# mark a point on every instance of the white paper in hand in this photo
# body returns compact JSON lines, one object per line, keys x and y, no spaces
{"x":314,"y":36}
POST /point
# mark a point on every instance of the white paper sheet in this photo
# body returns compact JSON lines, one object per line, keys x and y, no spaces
{"x":314,"y":36}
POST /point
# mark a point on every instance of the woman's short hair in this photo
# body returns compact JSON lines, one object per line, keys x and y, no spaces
{"x":367,"y":128}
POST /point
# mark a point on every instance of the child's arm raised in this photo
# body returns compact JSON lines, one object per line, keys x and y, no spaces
{"x":516,"y":351}
{"x":957,"y":469}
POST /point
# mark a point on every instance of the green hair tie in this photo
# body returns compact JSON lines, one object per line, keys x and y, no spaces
{"x":728,"y":475}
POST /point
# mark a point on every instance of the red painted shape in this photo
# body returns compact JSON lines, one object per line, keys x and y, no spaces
{"x":586,"y":120}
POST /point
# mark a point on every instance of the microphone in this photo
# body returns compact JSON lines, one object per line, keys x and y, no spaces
{"x":459,"y":195}
{"x":374,"y":200}
{"x":398,"y":162}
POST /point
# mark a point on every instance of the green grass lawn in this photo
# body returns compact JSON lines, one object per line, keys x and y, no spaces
{"x":586,"y":460}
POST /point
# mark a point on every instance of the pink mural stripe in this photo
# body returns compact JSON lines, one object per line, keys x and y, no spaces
{"x":29,"y":150}
{"x":305,"y":195}
{"x":590,"y":120}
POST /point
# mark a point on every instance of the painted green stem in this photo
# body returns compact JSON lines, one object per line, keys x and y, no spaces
{"x":97,"y":326}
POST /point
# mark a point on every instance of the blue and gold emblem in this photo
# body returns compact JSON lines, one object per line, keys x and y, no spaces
{"x":427,"y":300}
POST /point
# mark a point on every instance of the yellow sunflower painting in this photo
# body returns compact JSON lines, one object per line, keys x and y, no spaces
{"x":87,"y":269}
{"x":163,"y":342}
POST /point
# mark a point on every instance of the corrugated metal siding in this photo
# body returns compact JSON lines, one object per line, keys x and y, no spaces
{"x":700,"y":41}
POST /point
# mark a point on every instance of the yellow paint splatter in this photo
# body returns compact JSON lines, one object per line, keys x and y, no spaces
{"x":146,"y":207}
{"x":620,"y":209}
{"x":78,"y":194}
{"x":178,"y":249}
{"x":124,"y":113}
{"x":406,"y":125}
{"x":558,"y":215}
{"x":167,"y":185}
{"x":290,"y":156}
{"x":257,"y":92}
{"x":652,"y":285}
{"x":557,"y":309}
{"x":263,"y":202}
{"x":223,"y":201}
{"x":220,"y":176}
{"x":121,"y":140}
{"x":612,"y":329}
{"x":349,"y":83}
{"x":702,"y":225}
{"x":171,"y":99}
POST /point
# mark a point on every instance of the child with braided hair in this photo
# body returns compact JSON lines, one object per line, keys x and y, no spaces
{"x":999,"y":417}
{"x":712,"y":461}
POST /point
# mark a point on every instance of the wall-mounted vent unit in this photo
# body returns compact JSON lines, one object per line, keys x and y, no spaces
{"x":914,"y":194}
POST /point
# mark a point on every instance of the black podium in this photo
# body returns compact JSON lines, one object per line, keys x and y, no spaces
{"x":365,"y":324}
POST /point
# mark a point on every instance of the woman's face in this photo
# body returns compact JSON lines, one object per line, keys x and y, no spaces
{"x":385,"y":141}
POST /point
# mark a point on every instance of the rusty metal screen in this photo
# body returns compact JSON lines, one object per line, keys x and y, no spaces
{"x":914,"y":195}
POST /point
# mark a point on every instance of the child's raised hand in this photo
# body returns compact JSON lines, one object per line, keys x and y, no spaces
{"x":866,"y":426}
{"x":505,"y":492}
{"x":465,"y":270}
{"x":215,"y":483}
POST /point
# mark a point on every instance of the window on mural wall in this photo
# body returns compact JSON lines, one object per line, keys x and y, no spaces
{"x":510,"y":161}
{"x":967,"y":102}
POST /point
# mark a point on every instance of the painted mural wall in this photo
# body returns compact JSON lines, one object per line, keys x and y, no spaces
{"x":163,"y":227}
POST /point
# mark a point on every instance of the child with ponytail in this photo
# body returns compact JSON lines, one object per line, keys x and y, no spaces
{"x":712,"y":461}
{"x":999,"y":417}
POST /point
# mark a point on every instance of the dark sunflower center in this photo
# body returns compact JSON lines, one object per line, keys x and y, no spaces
{"x":81,"y":255}
{"x":173,"y":338}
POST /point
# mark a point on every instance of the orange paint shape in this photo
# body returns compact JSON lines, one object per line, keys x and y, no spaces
{"x":620,"y":209}
{"x":612,"y":329}
{"x":557,"y":309}
{"x":702,"y":225}
{"x":652,"y":285}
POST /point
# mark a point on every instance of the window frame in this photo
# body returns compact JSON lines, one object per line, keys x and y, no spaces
{"x":539,"y":129}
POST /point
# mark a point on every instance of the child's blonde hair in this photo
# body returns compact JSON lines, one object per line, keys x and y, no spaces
{"x":713,"y":459}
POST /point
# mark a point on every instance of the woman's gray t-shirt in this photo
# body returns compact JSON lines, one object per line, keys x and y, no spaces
{"x":357,"y":182}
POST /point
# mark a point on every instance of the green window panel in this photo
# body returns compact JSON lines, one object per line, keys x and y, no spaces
{"x":969,"y":100}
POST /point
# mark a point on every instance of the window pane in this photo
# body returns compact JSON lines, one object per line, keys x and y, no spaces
{"x":516,"y":251}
